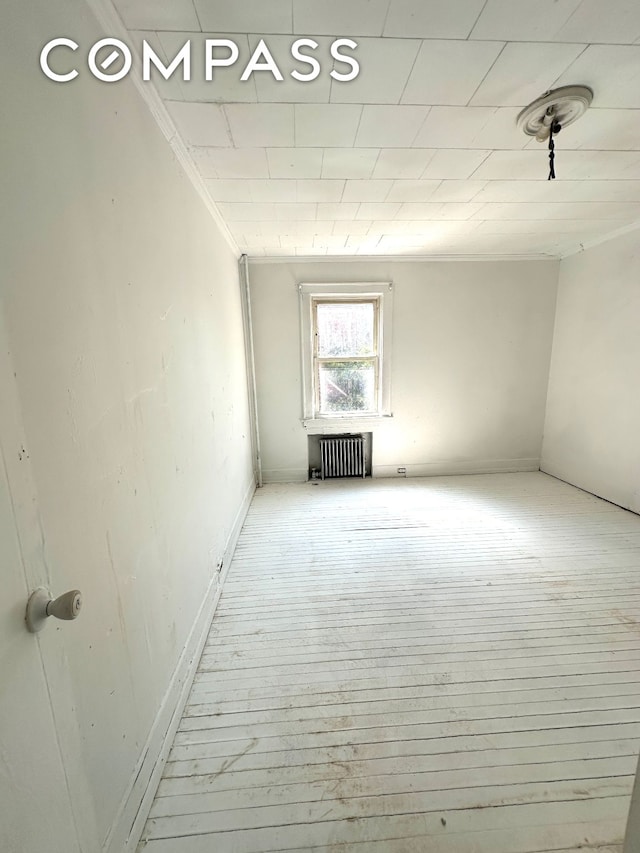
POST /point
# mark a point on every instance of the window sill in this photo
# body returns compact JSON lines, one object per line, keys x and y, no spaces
{"x":350,"y":423}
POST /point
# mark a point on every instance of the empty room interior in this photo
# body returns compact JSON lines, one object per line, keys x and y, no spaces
{"x":320,"y":426}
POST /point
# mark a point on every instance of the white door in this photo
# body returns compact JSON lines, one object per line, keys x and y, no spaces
{"x":35,"y":807}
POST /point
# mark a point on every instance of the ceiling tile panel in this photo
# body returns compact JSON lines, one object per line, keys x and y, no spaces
{"x":488,"y":244}
{"x":338,"y":211}
{"x":378,"y":210}
{"x":223,"y":190}
{"x":151,"y":15}
{"x":390,"y":243}
{"x":290,"y":234}
{"x":281,"y":253}
{"x":501,"y":131}
{"x":226,"y":86}
{"x":324,"y":226}
{"x":231,"y":162}
{"x":615,"y":22}
{"x":305,"y":230}
{"x":560,"y":210}
{"x":432,"y":19}
{"x":471,"y":127}
{"x":454,"y":164}
{"x":273,"y":191}
{"x":342,"y":227}
{"x":337,"y":18}
{"x":522,"y":72}
{"x":570,"y":165}
{"x":449,"y":72}
{"x":171,"y":89}
{"x":402,"y":162}
{"x":310,"y":228}
{"x":328,"y":241}
{"x":243,"y":16}
{"x":326,"y":125}
{"x":546,"y":226}
{"x":521,"y":165}
{"x":523,"y":20}
{"x":294,"y":162}
{"x":349,"y":162}
{"x":424,"y":227}
{"x":326,"y":191}
{"x":435,"y":211}
{"x":254,"y":229}
{"x":389,"y":126}
{"x":366,"y":246}
{"x":558,"y":190}
{"x":415,"y":190}
{"x":241,"y":212}
{"x":385,"y":65}
{"x":259,"y":240}
{"x":366,"y":190}
{"x":247,"y":230}
{"x":431,"y":244}
{"x":387,"y":226}
{"x":289,"y":90}
{"x":604,"y":130}
{"x":298,"y":212}
{"x":201,"y":124}
{"x":261,"y":125}
{"x":612,"y":72}
{"x":457,"y":191}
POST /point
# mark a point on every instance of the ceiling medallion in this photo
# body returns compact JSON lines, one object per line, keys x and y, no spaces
{"x":547,"y":115}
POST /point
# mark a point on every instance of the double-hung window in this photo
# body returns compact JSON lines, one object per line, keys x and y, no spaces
{"x":345,"y":350}
{"x":346,"y":355}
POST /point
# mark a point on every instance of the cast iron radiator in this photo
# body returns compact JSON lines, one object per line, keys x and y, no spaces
{"x":342,"y":456}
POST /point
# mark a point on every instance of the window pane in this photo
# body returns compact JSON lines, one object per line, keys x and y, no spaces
{"x":345,"y":328}
{"x":347,"y":386}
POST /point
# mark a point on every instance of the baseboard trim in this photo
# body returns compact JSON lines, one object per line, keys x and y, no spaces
{"x":285,"y":475}
{"x":629,"y":505}
{"x":136,"y":804}
{"x":442,"y":469}
{"x":421,"y":469}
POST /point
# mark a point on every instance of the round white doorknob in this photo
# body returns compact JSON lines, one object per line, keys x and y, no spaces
{"x":41,"y":605}
{"x":66,"y":606}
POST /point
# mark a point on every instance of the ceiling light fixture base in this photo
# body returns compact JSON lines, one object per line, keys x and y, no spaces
{"x":554,"y":110}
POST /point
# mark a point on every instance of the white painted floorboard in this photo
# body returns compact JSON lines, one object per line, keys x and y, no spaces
{"x":448,"y":665}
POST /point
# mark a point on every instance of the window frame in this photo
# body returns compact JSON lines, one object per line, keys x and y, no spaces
{"x":312,"y":294}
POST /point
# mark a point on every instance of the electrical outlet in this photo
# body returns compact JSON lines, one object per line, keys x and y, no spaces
{"x":402,"y":471}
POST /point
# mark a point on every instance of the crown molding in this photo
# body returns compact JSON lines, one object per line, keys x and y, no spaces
{"x":583,"y":245}
{"x":424,"y":259}
{"x":112,"y":25}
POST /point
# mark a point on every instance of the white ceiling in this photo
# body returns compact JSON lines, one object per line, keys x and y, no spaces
{"x":419,"y":154}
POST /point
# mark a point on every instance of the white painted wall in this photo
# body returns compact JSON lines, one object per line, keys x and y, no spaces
{"x":592,"y":426}
{"x":124,"y":434}
{"x":471,"y":348}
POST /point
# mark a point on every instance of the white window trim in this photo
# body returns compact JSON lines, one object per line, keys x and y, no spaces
{"x":313,"y":420}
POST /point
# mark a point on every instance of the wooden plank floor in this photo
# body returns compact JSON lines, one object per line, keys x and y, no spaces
{"x":448,"y":665}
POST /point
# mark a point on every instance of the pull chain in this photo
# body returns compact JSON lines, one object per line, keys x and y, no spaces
{"x":555,"y":127}
{"x":552,"y":171}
